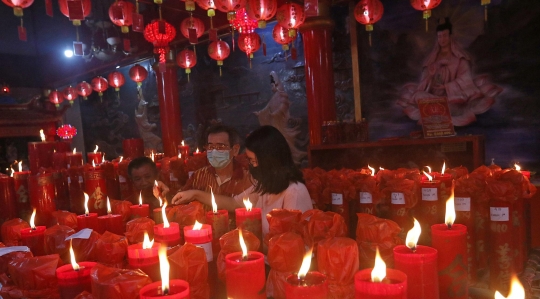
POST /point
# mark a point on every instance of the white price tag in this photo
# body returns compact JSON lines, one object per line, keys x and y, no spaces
{"x":365,"y":197}
{"x":398,"y":198}
{"x":429,"y":194}
{"x":6,"y":250}
{"x":462,"y":204}
{"x":499,"y":214}
{"x":82,"y":234}
{"x":121,"y":179}
{"x":172,"y":178}
{"x":208,"y":250}
{"x":337,"y":198}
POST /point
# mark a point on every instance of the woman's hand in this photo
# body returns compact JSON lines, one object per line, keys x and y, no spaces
{"x":184,"y":197}
{"x":161,"y":190}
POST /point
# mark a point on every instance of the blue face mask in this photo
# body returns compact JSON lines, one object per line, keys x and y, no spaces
{"x":218,"y":159}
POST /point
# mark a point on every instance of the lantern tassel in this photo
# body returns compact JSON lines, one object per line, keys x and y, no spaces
{"x":220,"y":73}
{"x":232,"y":34}
{"x":77,"y":32}
{"x":188,"y":77}
{"x":369,"y":38}
{"x":427,"y":25}
{"x":485,"y":13}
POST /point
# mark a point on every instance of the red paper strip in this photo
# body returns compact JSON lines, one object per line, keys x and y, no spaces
{"x":117,"y":13}
{"x":48,"y":8}
{"x":75,"y":10}
{"x":127,"y":44}
{"x":78,"y":49}
{"x":138,"y":23}
{"x":22,"y":33}
{"x":192,"y":33}
{"x":212,"y":34}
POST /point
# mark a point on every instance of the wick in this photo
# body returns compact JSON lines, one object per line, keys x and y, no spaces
{"x":140,"y":205}
{"x":86,"y":215}
{"x":413,"y":249}
{"x":449,"y":226}
{"x":244,"y":258}
{"x":166,"y":292}
{"x":34,"y":228}
{"x":303,"y":282}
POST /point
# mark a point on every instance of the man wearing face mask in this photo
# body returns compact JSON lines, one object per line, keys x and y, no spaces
{"x":225,"y":175}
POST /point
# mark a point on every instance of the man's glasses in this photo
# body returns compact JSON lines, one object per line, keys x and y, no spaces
{"x":216,"y":146}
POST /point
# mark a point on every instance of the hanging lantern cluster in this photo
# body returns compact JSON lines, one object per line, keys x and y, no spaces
{"x":219,"y":50}
{"x":66,"y":131}
{"x":121,"y":14}
{"x":192,"y":28}
{"x":368,"y":12}
{"x":18,"y":6}
{"x":261,"y":10}
{"x":186,"y":59}
{"x":242,"y":22}
{"x":425,"y":6}
{"x":291,"y":16}
{"x":160,"y":34}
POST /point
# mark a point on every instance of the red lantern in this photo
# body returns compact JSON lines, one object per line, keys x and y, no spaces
{"x":249,"y":43}
{"x":84,"y":89}
{"x":121,"y":14}
{"x":207,"y":5}
{"x":138,"y":73}
{"x":100,"y":84}
{"x":18,"y":6}
{"x":116,"y":80}
{"x":86,"y":6}
{"x":426,"y":6}
{"x":192,"y":23}
{"x":186,"y":60}
{"x":219,"y":50}
{"x":368,"y":12}
{"x":66,"y":131}
{"x":261,"y":10}
{"x":56,"y":98}
{"x":281,"y":36}
{"x":69,"y":94}
{"x":290,"y":16}
{"x":160,"y":39}
{"x":242,"y":22}
{"x":230,"y":7}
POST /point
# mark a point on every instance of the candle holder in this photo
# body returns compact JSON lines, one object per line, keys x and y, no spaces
{"x":313,"y":286}
{"x":145,"y":259}
{"x":245,"y":278}
{"x":420,"y":266}
{"x":178,"y":289}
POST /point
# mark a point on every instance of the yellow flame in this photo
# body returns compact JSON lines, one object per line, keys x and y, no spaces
{"x":248,"y":204}
{"x":140,"y":198}
{"x":372,"y":170}
{"x":430,"y":178}
{"x":450,"y":215}
{"x":103,"y":158}
{"x":179,"y":155}
{"x":109,"y":210}
{"x":380,"y":168}
{"x":518,"y":168}
{"x":160,"y":201}
{"x":93,"y":164}
{"x":72,"y":255}
{"x":306,"y":263}
{"x":413,"y":234}
{"x":152,"y":156}
{"x":164,"y":268}
{"x":41,"y":135}
{"x":164,"y":216}
{"x":12,"y":171}
{"x":197,"y":225}
{"x":86,"y":198}
{"x":20,"y":166}
{"x":32,"y":218}
{"x":147,"y":244}
{"x":379,"y":270}
{"x":242,"y":244}
{"x":95,"y":151}
{"x":516,"y":291}
{"x":443,"y":167}
{"x":214,"y":204}
{"x":121,"y":158}
{"x":182,"y":143}
{"x":74,"y":150}
{"x":155,"y":183}
{"x":428,"y":168}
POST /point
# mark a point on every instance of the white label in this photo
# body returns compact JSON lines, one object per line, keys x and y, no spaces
{"x":172,"y":178}
{"x":337,"y":198}
{"x":6,"y":250}
{"x":208,"y":250}
{"x":429,"y":194}
{"x":462,"y":204}
{"x":365,"y":197}
{"x":121,"y":179}
{"x":81,"y":180}
{"x":499,"y":214}
{"x":82,"y":234}
{"x":69,"y":180}
{"x":398,"y":198}
{"x":190,"y":173}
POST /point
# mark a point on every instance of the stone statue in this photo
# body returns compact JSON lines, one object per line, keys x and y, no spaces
{"x":151,"y":140}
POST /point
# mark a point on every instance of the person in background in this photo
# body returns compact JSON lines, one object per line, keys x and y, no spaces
{"x":143,"y":174}
{"x":277,"y":182}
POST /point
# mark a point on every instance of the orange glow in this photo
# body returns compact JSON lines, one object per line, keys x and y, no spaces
{"x":413,"y":235}
{"x":95,"y":151}
{"x":41,"y":135}
{"x":242,"y":244}
{"x":372,"y":170}
{"x":164,"y":216}
{"x":430,"y":178}
{"x":74,"y":264}
{"x":379,"y":270}
{"x":147,"y":244}
{"x":306,"y":263}
{"x":516,"y":291}
{"x":197,"y":225}
{"x":32,"y":218}
{"x":109,"y":211}
{"x":164,"y":268}
{"x":86,"y":198}
{"x":450,"y":215}
{"x":248,"y":204}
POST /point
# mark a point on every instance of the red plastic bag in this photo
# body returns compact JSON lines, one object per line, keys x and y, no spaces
{"x":373,"y":232}
{"x":108,"y":283}
{"x":282,"y":221}
{"x":337,"y":258}
{"x":111,"y":249}
{"x":11,"y":231}
{"x":84,"y":249}
{"x":400,"y":195}
{"x":187,"y":214}
{"x":35,"y":273}
{"x":189,"y":263}
{"x":8,"y":257}
{"x":121,"y":207}
{"x":65,"y":218}
{"x":285,"y":254}
{"x":14,"y":292}
{"x":230,"y":243}
{"x":322,"y":225}
{"x":136,"y":228}
{"x":315,"y":179}
{"x":55,"y":241}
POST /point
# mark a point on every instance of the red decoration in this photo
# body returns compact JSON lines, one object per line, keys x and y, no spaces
{"x":160,"y":38}
{"x":281,"y":36}
{"x":243,"y":23}
{"x":186,"y":59}
{"x":230,"y":7}
{"x":368,"y":12}
{"x":100,"y":84}
{"x":261,"y":10}
{"x":207,"y":5}
{"x":69,"y":93}
{"x":18,"y":5}
{"x":116,"y":80}
{"x":121,"y":14}
{"x":249,"y":43}
{"x":56,"y":98}
{"x":219,"y":50}
{"x":66,"y":131}
{"x":192,"y":23}
{"x":426,"y":6}
{"x":86,"y":10}
{"x":290,"y":16}
{"x":84,"y":89}
{"x":138,"y":73}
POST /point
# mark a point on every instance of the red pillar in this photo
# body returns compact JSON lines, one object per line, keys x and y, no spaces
{"x":169,"y":106}
{"x":317,"y":36}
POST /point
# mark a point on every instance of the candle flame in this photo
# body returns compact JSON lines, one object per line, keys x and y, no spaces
{"x":214,"y":204}
{"x":74,"y":264}
{"x":182,"y":143}
{"x":164,"y":269}
{"x":443,"y":167}
{"x":32,"y":218}
{"x":248,"y":204}
{"x":372,"y":170}
{"x":379,"y":270}
{"x":109,"y":210}
{"x":20,"y":166}
{"x":197,"y":225}
{"x":306,"y":263}
{"x":164,"y":216}
{"x":413,"y":234}
{"x":103,"y":159}
{"x":242,"y":244}
{"x":41,"y":135}
{"x":518,"y":168}
{"x":74,"y":150}
{"x":428,"y":168}
{"x":147,"y":244}
{"x":140,"y":199}
{"x":152,"y":156}
{"x":516,"y":291}
{"x":430,"y":178}
{"x":160,"y":201}
{"x":380,"y":168}
{"x":450,"y":215}
{"x":95,"y":151}
{"x":12,"y":171}
{"x":197,"y":151}
{"x":179,"y":155}
{"x":86,"y":198}
{"x":121,"y":158}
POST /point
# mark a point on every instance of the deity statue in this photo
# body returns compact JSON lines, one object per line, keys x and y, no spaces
{"x":151,"y":140}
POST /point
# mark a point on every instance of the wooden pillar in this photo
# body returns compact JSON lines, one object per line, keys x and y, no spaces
{"x":169,"y":106}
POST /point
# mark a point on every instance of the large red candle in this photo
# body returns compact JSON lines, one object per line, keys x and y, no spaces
{"x":96,"y":187}
{"x":398,"y":210}
{"x":431,"y":206}
{"x":110,"y":222}
{"x":140,"y":210}
{"x":393,"y":287}
{"x":34,"y":237}
{"x":8,"y":201}
{"x":62,"y":192}
{"x":96,"y":157}
{"x":76,"y":189}
{"x":465,"y":215}
{"x":87,"y":220}
{"x":73,"y":282}
{"x":74,"y":159}
{"x":245,"y":277}
{"x":174,"y":289}
{"x":219,"y":220}
{"x":62,"y":146}
{"x":21,"y":193}
{"x":501,"y":244}
{"x":133,"y":148}
{"x":183,"y":150}
{"x":40,"y":154}
{"x":59,"y":160}
{"x":42,"y":196}
{"x":145,"y":256}
{"x":167,"y":233}
{"x":249,"y":218}
{"x":201,"y":236}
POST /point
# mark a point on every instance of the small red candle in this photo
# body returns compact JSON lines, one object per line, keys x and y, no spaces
{"x":450,"y":240}
{"x":419,"y":263}
{"x":167,"y":233}
{"x":197,"y":153}
{"x":379,"y":282}
{"x":74,"y":159}
{"x":140,"y":210}
{"x":201,"y":236}
{"x":219,"y":220}
{"x":144,"y":256}
{"x":174,"y":289}
{"x":306,"y":285}
{"x":157,"y":214}
{"x":249,"y":218}
{"x":525,"y":173}
{"x":21,"y":192}
{"x":244,"y":271}
{"x":8,"y":200}
{"x":110,"y":222}
{"x":183,"y":149}
{"x":96,"y":186}
{"x":87,"y":220}
{"x":96,"y":157}
{"x":40,"y":154}
{"x":74,"y":278}
{"x":34,"y":237}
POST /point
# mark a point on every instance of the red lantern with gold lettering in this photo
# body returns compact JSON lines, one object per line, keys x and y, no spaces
{"x":281,"y":36}
{"x":160,"y":37}
{"x":192,"y":23}
{"x":56,"y":98}
{"x":84,"y":89}
{"x":261,"y":10}
{"x":219,"y":51}
{"x":69,"y":93}
{"x":72,"y":9}
{"x":138,"y":74}
{"x":116,"y":80}
{"x":186,"y":60}
{"x":249,"y":43}
{"x":425,"y":6}
{"x":368,"y":12}
{"x":230,"y":7}
{"x":121,"y":14}
{"x":100,"y":84}
{"x":290,"y":16}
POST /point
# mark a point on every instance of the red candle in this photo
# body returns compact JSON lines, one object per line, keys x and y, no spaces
{"x":465,"y":214}
{"x":244,"y":273}
{"x":398,"y":210}
{"x":174,"y":289}
{"x":201,"y":236}
{"x":197,"y":153}
{"x":62,"y":146}
{"x":145,"y":256}
{"x":183,"y":150}
{"x":126,"y":188}
{"x":74,"y":278}
{"x":133,"y":148}
{"x":450,"y":240}
{"x":87,"y":220}
{"x":96,"y":157}
{"x":110,"y":222}
{"x":96,"y":186}
{"x":59,"y":160}
{"x":306,"y":285}
{"x":219,"y":220}
{"x":419,"y":263}
{"x":140,"y":210}
{"x":74,"y":159}
{"x":42,"y":196}
{"x":167,"y":233}
{"x":21,"y":192}
{"x":61,"y":189}
{"x":502,"y":247}
{"x":40,"y":154}
{"x":157,"y":214}
{"x":525,"y":173}
{"x":393,"y":287}
{"x":34,"y":237}
{"x":8,"y":201}
{"x":249,"y":218}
